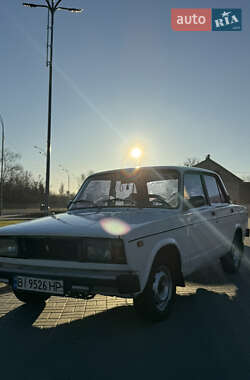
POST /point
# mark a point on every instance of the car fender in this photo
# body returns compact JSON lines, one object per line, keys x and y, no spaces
{"x":156,"y":248}
{"x":238,"y":227}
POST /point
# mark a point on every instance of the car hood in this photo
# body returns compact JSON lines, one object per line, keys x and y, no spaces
{"x":102,"y":223}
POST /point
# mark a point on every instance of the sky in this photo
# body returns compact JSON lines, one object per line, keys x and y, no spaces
{"x":123,"y":78}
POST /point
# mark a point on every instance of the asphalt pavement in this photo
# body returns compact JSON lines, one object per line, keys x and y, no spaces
{"x":207,"y":336}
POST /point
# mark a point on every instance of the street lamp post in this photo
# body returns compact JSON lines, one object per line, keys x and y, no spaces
{"x":2,"y":159}
{"x":52,"y":6}
{"x":67,"y":172}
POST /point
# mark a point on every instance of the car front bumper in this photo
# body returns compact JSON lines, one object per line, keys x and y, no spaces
{"x":119,"y":284}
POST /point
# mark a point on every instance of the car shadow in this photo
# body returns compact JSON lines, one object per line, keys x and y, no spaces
{"x":206,"y":331}
{"x":205,"y":337}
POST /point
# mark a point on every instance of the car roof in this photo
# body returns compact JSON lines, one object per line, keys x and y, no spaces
{"x":180,"y":169}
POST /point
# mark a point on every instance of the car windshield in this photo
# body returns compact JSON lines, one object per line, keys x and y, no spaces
{"x":152,"y":188}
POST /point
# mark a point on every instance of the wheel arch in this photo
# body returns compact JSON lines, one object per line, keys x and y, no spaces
{"x":168,"y":251}
{"x":232,"y":259}
{"x":239,"y":233}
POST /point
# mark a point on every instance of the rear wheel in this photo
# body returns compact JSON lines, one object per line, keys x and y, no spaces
{"x":156,"y":300}
{"x":232,"y":260}
{"x":30,"y":298}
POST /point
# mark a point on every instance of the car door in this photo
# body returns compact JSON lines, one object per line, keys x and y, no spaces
{"x":223,"y":212}
{"x":200,"y":222}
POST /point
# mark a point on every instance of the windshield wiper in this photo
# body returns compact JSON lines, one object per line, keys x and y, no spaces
{"x":83,"y":201}
{"x":93,"y":204}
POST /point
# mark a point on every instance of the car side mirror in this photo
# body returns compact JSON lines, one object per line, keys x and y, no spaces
{"x":194,"y":202}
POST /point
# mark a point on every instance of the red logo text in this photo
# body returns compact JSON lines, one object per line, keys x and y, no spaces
{"x":191,"y":19}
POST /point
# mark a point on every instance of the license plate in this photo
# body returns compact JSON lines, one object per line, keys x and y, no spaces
{"x":39,"y":285}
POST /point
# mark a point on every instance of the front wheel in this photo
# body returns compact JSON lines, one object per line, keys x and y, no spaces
{"x":232,"y":260}
{"x":30,"y":298}
{"x":156,"y":300}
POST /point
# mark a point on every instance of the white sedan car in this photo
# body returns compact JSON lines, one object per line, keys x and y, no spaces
{"x":128,"y":233}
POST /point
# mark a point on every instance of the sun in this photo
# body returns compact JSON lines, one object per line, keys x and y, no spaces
{"x":136,"y":153}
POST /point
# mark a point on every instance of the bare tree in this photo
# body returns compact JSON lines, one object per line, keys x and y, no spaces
{"x":191,"y":161}
{"x":11,"y":168}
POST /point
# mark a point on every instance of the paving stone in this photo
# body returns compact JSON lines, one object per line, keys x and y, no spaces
{"x":60,"y":310}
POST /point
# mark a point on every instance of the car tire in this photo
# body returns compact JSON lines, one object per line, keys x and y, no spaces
{"x":30,"y":298}
{"x":232,"y":260}
{"x":155,"y":302}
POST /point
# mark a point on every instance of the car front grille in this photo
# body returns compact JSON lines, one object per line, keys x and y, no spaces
{"x":70,"y":249}
{"x":95,"y":250}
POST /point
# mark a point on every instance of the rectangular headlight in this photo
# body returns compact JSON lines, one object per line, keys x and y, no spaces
{"x":8,"y":248}
{"x":105,"y":251}
{"x":118,"y":252}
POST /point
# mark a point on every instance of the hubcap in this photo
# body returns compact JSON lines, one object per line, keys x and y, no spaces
{"x":162,"y":289}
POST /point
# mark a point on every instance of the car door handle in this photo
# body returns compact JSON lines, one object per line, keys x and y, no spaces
{"x":232,"y":210}
{"x":213,"y":213}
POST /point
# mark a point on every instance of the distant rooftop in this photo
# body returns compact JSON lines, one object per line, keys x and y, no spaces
{"x":209,"y":161}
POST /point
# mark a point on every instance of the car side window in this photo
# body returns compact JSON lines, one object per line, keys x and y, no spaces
{"x":193,"y":186}
{"x":223,"y":198}
{"x":214,"y":193}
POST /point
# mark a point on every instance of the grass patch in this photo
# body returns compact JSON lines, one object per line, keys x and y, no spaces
{"x":4,"y":223}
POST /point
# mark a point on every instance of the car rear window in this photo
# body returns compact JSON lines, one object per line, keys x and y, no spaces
{"x":214,"y":193}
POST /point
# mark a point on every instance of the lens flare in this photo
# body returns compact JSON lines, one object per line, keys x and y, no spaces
{"x":115,"y":226}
